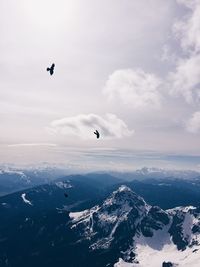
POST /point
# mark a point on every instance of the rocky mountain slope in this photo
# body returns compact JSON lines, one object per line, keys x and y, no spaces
{"x":125,"y":224}
{"x":41,"y":227}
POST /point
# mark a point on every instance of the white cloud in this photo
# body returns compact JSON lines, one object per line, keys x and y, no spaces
{"x":188,"y":30}
{"x":185,"y":80}
{"x":135,"y":88}
{"x":83,"y":126}
{"x":138,"y":89}
{"x":193,"y":124}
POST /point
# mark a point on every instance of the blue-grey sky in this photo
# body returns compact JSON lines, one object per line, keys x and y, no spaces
{"x":130,"y":69}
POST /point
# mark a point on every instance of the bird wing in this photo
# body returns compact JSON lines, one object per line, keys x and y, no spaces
{"x":97,"y":133}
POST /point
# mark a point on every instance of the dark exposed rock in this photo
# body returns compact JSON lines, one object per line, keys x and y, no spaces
{"x":196,"y":229}
{"x":154,"y":221}
{"x":176,"y":231}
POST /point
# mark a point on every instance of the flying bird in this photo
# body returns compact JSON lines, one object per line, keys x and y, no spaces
{"x":51,"y":69}
{"x":97,"y":134}
{"x":65,"y":194}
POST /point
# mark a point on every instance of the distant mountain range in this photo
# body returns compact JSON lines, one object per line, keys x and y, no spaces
{"x":145,"y":173}
{"x":101,"y":223}
{"x":13,"y":179}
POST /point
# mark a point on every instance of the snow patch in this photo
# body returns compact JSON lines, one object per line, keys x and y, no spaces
{"x":187,"y":226}
{"x":123,"y":188}
{"x":78,"y":215}
{"x":63,"y":185}
{"x":26,"y":200}
{"x":122,"y":263}
{"x":169,"y":253}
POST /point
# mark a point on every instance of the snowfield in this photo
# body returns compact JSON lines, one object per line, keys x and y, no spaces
{"x":150,"y":257}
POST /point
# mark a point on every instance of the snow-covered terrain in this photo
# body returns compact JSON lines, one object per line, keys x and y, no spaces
{"x":145,"y":235}
{"x":153,"y":251}
{"x":150,"y":257}
{"x":120,"y":230}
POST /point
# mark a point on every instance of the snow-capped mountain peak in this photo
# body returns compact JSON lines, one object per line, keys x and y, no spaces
{"x":124,"y":188}
{"x":123,"y":198}
{"x":126,"y":223}
{"x":122,"y":212}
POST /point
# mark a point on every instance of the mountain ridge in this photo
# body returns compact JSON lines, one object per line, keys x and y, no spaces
{"x":135,"y":225}
{"x":121,"y":229}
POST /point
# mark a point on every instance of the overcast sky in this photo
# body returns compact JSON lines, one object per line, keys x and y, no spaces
{"x":128,"y":68}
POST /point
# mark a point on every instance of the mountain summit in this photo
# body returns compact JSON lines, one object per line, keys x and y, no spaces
{"x":126,"y":225}
{"x":103,"y":225}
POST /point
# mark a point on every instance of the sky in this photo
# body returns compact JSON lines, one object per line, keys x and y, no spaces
{"x":129,"y":69}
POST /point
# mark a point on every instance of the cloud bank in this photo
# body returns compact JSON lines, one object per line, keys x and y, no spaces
{"x":84,"y":125}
